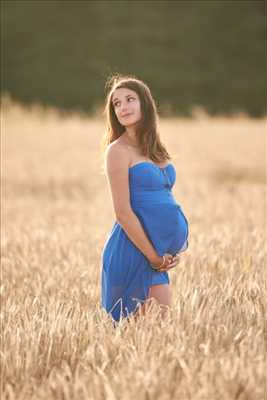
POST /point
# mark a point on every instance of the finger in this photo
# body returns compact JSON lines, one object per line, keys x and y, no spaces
{"x":176,"y":260}
{"x":170,"y":266}
{"x":167,"y":262}
{"x":169,"y":259}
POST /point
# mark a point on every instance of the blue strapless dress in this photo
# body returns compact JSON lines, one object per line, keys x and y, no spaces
{"x":126,"y":272}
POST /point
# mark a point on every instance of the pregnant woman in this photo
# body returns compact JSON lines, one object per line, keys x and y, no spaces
{"x":150,"y":228}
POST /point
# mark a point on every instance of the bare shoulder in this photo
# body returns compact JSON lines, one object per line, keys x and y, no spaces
{"x":117,"y":148}
{"x":117,"y":156}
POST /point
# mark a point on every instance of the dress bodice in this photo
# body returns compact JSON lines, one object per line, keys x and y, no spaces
{"x":148,"y":176}
{"x":151,"y":184}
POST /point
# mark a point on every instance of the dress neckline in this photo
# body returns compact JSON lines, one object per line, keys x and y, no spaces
{"x":149,"y":162}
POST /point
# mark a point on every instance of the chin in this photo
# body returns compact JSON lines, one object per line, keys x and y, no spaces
{"x":130,"y":123}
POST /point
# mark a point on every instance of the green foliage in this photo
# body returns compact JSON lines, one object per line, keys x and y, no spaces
{"x":207,"y":53}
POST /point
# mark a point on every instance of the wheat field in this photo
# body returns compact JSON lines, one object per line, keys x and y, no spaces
{"x":56,"y":341}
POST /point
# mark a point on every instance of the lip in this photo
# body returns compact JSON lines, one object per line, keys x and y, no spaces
{"x":126,"y":115}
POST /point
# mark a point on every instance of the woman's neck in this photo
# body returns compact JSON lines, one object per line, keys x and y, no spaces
{"x":131,"y":132}
{"x":130,"y":137}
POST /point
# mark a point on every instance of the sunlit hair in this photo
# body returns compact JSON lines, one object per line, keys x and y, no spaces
{"x":147,"y":135}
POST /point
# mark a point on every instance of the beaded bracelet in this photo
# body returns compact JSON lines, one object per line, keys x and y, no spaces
{"x":156,"y":268}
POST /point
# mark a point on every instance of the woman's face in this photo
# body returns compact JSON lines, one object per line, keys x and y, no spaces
{"x":127,"y":106}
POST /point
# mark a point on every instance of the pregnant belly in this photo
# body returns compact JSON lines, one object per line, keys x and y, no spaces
{"x":165,"y":225}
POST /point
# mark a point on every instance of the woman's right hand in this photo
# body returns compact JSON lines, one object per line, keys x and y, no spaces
{"x":169,"y":262}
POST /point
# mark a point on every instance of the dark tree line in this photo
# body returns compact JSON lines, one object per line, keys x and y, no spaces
{"x":208,"y":53}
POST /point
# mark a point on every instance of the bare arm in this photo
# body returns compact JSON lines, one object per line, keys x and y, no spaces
{"x":117,"y":164}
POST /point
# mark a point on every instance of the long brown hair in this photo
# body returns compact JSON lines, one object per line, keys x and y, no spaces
{"x":147,"y":135}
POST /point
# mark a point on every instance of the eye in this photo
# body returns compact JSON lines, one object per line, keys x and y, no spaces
{"x":129,"y":98}
{"x":116,"y":103}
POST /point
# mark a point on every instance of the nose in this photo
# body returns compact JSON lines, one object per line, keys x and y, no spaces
{"x":123,"y":109}
{"x":123,"y":106}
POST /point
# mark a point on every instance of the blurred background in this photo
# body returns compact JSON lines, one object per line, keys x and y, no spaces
{"x":209,"y":54}
{"x":205,"y":62}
